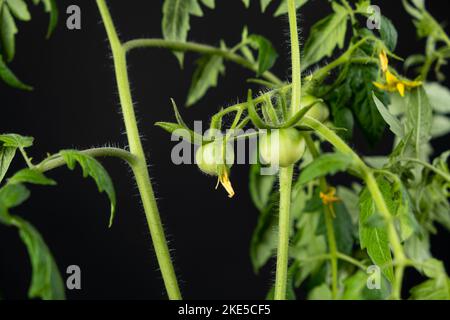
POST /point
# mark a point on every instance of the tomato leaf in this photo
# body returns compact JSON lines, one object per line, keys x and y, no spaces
{"x":326,"y":35}
{"x":175,"y":22}
{"x":419,"y":118}
{"x":91,"y":167}
{"x":46,"y":281}
{"x":328,"y":163}
{"x":209,"y":67}
{"x":267,"y":54}
{"x":375,"y":239}
{"x":6,"y":156}
{"x":394,"y":124}
{"x":388,"y":33}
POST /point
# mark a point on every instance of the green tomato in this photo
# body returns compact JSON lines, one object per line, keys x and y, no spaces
{"x":284,"y":151}
{"x":210,"y":156}
{"x":319,"y":111}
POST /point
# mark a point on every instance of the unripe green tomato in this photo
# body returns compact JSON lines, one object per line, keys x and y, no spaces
{"x":319,"y":111}
{"x":211,"y":155}
{"x":284,"y":151}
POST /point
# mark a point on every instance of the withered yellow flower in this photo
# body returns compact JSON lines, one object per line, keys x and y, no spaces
{"x":393,"y":83}
{"x":329,"y":197}
{"x":225,"y":182}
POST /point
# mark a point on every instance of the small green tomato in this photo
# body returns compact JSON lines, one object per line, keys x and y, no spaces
{"x":210,"y":156}
{"x":319,"y":111}
{"x":284,"y":151}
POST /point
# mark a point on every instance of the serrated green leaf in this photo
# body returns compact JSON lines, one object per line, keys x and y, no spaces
{"x":419,"y":118}
{"x":359,"y":81}
{"x":8,"y":31}
{"x":10,"y":78}
{"x":326,"y":35}
{"x":16,"y":141}
{"x":175,"y":22}
{"x":91,"y":167}
{"x":394,"y":124}
{"x":19,"y":9}
{"x":326,"y":164}
{"x":46,"y":281}
{"x":209,"y":67}
{"x":267,"y":54}
{"x":260,"y":186}
{"x":246,"y":3}
{"x":282,"y":8}
{"x":31,"y":176}
{"x":388,"y":33}
{"x":374,"y":239}
{"x":6,"y":156}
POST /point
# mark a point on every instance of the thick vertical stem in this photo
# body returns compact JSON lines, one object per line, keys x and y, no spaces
{"x":283,"y":232}
{"x":295,"y":58}
{"x":140,"y":167}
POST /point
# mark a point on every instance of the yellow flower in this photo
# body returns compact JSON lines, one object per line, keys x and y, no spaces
{"x":329,"y":198}
{"x":225,"y":182}
{"x":393,"y":83}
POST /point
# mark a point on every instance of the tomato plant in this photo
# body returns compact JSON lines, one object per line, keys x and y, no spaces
{"x":333,"y":240}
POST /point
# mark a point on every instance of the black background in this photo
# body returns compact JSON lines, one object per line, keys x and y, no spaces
{"x":75,"y":105}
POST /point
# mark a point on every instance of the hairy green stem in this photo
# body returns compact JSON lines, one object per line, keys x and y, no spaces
{"x":368,"y":177}
{"x":295,"y":58}
{"x":199,"y":48}
{"x":283,"y":232}
{"x":56,"y":161}
{"x":140,"y":166}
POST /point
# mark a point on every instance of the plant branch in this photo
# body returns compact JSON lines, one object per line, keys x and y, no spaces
{"x":199,"y":48}
{"x":295,"y":58}
{"x":283,"y":232}
{"x":56,"y":161}
{"x":368,"y":177}
{"x":140,"y":166}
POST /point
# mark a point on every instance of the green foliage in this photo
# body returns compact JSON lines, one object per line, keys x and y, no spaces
{"x":266,"y":52}
{"x":355,"y":94}
{"x":95,"y":170}
{"x":10,"y":11}
{"x":46,"y":281}
{"x":176,"y":19}
{"x":205,"y":76}
{"x":324,"y":165}
{"x":326,"y":35}
{"x":375,"y":238}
